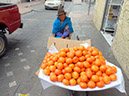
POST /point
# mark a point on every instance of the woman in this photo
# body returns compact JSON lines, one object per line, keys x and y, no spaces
{"x":62,"y":26}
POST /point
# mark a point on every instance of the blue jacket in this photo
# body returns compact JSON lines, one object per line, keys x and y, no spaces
{"x":58,"y":27}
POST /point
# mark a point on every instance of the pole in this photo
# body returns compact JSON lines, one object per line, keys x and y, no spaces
{"x":89,"y":7}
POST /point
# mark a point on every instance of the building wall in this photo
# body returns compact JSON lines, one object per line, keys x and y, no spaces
{"x":98,"y":13}
{"x":120,"y":45}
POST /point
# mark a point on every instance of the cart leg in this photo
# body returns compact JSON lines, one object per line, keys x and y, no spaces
{"x":87,"y":93}
{"x":73,"y":93}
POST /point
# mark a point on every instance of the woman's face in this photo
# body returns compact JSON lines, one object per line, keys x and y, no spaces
{"x":62,"y":17}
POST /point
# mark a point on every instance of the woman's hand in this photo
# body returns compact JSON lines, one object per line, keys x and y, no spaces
{"x":53,"y":34}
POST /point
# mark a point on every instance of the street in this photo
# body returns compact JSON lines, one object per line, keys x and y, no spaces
{"x":27,"y":48}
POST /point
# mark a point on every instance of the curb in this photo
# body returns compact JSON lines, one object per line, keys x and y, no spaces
{"x":27,"y":7}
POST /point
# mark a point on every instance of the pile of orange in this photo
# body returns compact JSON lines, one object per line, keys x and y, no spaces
{"x":79,"y":65}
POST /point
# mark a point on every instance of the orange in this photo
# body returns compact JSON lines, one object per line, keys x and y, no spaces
{"x":95,"y":52}
{"x":95,"y":78}
{"x":113,"y":77}
{"x":83,"y":85}
{"x":67,"y":49}
{"x":100,"y":84}
{"x":109,"y":71}
{"x":62,"y":50}
{"x":68,"y":69}
{"x":61,"y":60}
{"x":60,"y":77}
{"x":55,"y":58}
{"x":58,"y":71}
{"x":47,"y":68}
{"x":63,"y":71}
{"x":75,"y":75}
{"x":83,"y":78}
{"x":82,"y":73}
{"x":78,"y":53}
{"x":72,"y":82}
{"x":97,"y":62}
{"x":51,"y":57}
{"x":71,"y":65}
{"x":81,"y":48}
{"x":103,"y":62}
{"x":106,"y":79}
{"x":53,"y":77}
{"x":65,"y":82}
{"x":86,"y":64}
{"x":89,"y":73}
{"x":89,"y":59}
{"x":44,"y":61}
{"x":69,"y":60}
{"x":84,"y":52}
{"x":80,"y":64}
{"x":82,"y":58}
{"x":104,"y":74}
{"x":65,"y":65}
{"x":103,"y":68}
{"x":75,"y":48}
{"x":95,"y":68}
{"x":67,"y":76}
{"x":100,"y":53}
{"x":77,"y":69}
{"x":87,"y":56}
{"x":75,"y":59}
{"x":78,"y":80}
{"x":99,"y":73}
{"x":91,"y":84}
{"x":108,"y":66}
{"x":89,"y":48}
{"x":46,"y":71}
{"x":43,"y":66}
{"x":114,"y":69}
{"x":60,"y":66}
{"x":70,"y":54}
{"x":62,"y":54}
{"x":101,"y":79}
{"x":93,"y":58}
{"x":51,"y":63}
{"x":83,"y":69}
{"x":52,"y":68}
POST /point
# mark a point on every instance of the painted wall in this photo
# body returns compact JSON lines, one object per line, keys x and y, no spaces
{"x":98,"y":13}
{"x":120,"y":45}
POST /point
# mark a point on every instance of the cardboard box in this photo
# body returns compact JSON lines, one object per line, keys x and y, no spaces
{"x":64,"y":43}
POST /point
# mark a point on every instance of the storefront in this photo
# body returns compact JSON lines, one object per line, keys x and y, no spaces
{"x":110,"y":18}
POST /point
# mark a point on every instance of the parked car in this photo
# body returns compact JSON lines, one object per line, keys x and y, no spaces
{"x":10,"y":20}
{"x":68,"y":0}
{"x":53,"y":4}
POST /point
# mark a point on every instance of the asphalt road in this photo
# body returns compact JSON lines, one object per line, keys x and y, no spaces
{"x":27,"y":48}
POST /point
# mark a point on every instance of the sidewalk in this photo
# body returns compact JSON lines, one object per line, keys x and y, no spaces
{"x":83,"y":27}
{"x":24,"y":7}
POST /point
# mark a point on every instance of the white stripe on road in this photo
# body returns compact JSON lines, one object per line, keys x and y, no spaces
{"x":13,"y":83}
{"x":9,"y":73}
{"x":7,"y":65}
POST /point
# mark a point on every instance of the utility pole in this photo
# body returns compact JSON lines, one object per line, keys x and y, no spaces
{"x":89,"y":7}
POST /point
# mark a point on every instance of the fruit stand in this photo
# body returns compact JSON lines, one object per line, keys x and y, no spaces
{"x":78,"y":66}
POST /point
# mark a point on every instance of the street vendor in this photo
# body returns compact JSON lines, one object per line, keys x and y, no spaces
{"x":62,"y":26}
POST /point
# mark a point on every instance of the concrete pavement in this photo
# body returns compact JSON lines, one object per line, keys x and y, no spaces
{"x":83,"y":27}
{"x":25,"y":7}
